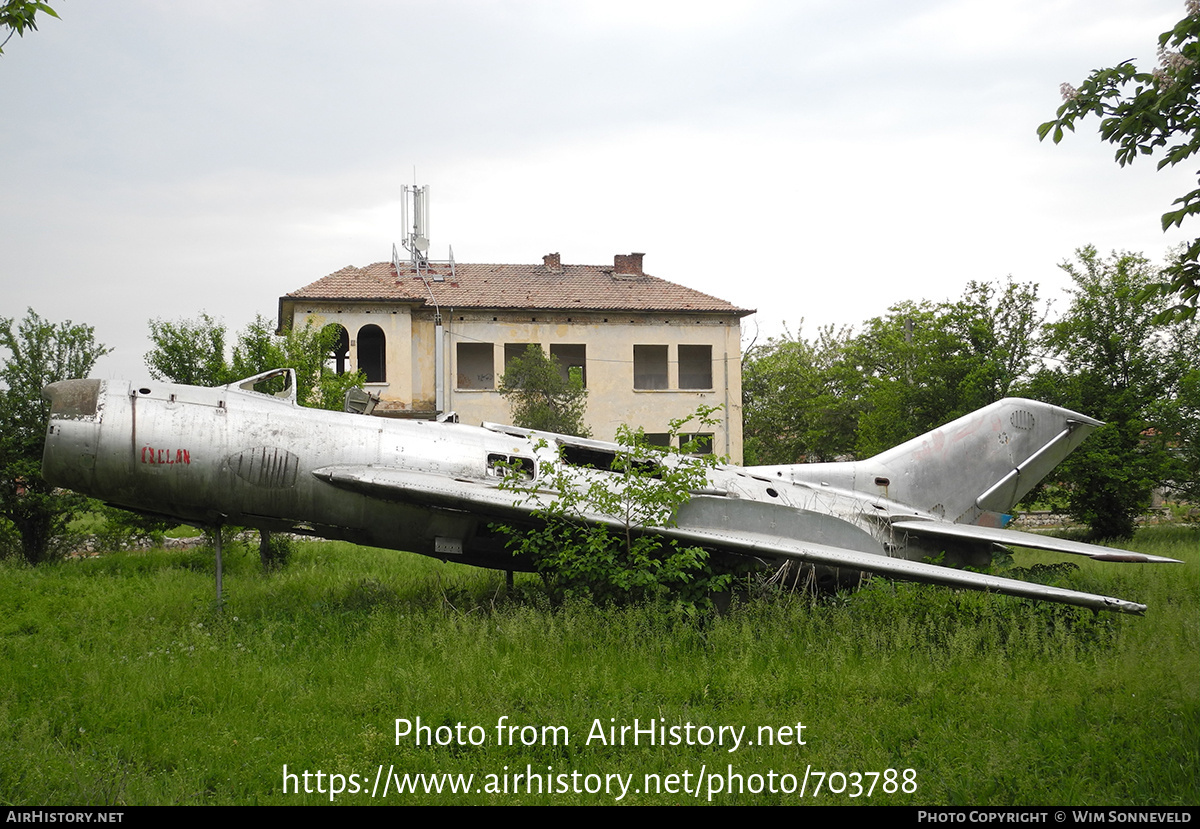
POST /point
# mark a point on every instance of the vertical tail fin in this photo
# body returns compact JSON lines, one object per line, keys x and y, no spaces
{"x":982,"y":463}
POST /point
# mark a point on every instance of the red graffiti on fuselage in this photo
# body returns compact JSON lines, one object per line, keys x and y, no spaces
{"x":165,"y":456}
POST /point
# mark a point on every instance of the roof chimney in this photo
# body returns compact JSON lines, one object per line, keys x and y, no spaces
{"x":552,"y":262}
{"x":630,"y":265}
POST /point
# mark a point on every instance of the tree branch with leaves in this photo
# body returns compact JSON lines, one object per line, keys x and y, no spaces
{"x":1151,"y":113}
{"x":19,"y":16}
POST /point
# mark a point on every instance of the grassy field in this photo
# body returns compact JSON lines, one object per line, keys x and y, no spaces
{"x":120,"y":683}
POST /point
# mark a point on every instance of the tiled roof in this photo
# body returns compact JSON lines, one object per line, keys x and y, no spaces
{"x":570,"y":287}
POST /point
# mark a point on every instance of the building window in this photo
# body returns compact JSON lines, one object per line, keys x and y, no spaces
{"x":514,"y":350}
{"x":660,"y":439}
{"x":338,"y":357}
{"x":476,"y":366}
{"x":695,"y":367}
{"x":649,"y":366}
{"x":371,"y":353}
{"x":703,"y":443}
{"x":569,"y":357}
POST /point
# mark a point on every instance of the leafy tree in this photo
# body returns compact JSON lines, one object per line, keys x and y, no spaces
{"x":1182,"y":412}
{"x":191,"y":352}
{"x":39,"y":353}
{"x":642,"y":486}
{"x":926,"y":364}
{"x":997,"y":327}
{"x":306,"y":350}
{"x":907,"y":372}
{"x":543,"y":396}
{"x":19,"y":15}
{"x":800,"y":398}
{"x":911,"y":373}
{"x":1143,"y":113}
{"x":1117,"y":366}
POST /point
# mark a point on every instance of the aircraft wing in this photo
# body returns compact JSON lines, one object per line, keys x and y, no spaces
{"x":1014,"y":538}
{"x":431,"y":489}
{"x":739,"y":527}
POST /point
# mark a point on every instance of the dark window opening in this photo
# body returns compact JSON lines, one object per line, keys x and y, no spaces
{"x":514,"y":350}
{"x":372,"y":353}
{"x":338,"y":357}
{"x":600,"y":459}
{"x":571,"y":357}
{"x":649,"y":366}
{"x":476,"y":366}
{"x":695,"y":367}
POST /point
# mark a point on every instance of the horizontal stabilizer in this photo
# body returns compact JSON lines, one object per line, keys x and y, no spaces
{"x":1014,"y":538}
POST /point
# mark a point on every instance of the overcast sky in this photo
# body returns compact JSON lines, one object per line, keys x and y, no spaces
{"x":812,"y":159}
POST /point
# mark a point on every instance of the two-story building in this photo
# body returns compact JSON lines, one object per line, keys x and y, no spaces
{"x":435,"y":337}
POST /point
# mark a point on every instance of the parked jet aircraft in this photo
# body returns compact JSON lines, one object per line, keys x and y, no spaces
{"x":235,"y":455}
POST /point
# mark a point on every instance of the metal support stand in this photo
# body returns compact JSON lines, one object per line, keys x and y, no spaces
{"x":217,"y":548}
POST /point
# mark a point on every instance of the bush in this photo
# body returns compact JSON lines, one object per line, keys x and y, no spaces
{"x":598,"y":541}
{"x":124,"y":530}
{"x":274,"y":550}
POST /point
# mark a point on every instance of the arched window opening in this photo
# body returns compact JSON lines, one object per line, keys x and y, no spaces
{"x":338,"y":357}
{"x":371,"y":349}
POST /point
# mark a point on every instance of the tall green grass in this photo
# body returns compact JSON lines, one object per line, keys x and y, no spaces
{"x":121,"y":683}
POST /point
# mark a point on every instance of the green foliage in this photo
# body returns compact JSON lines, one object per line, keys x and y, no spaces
{"x":926,"y":364}
{"x":10,"y":540}
{"x":1118,"y":364}
{"x":306,"y":350}
{"x":1144,"y":113}
{"x":21,"y":15}
{"x":120,"y":529}
{"x":543,"y":396}
{"x":1181,"y":415}
{"x":909,"y":371}
{"x":596,"y":540}
{"x":274,"y":550}
{"x":39,"y":353}
{"x":908,"y":360}
{"x":800,"y":399}
{"x":997,"y":328}
{"x":191,"y":352}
